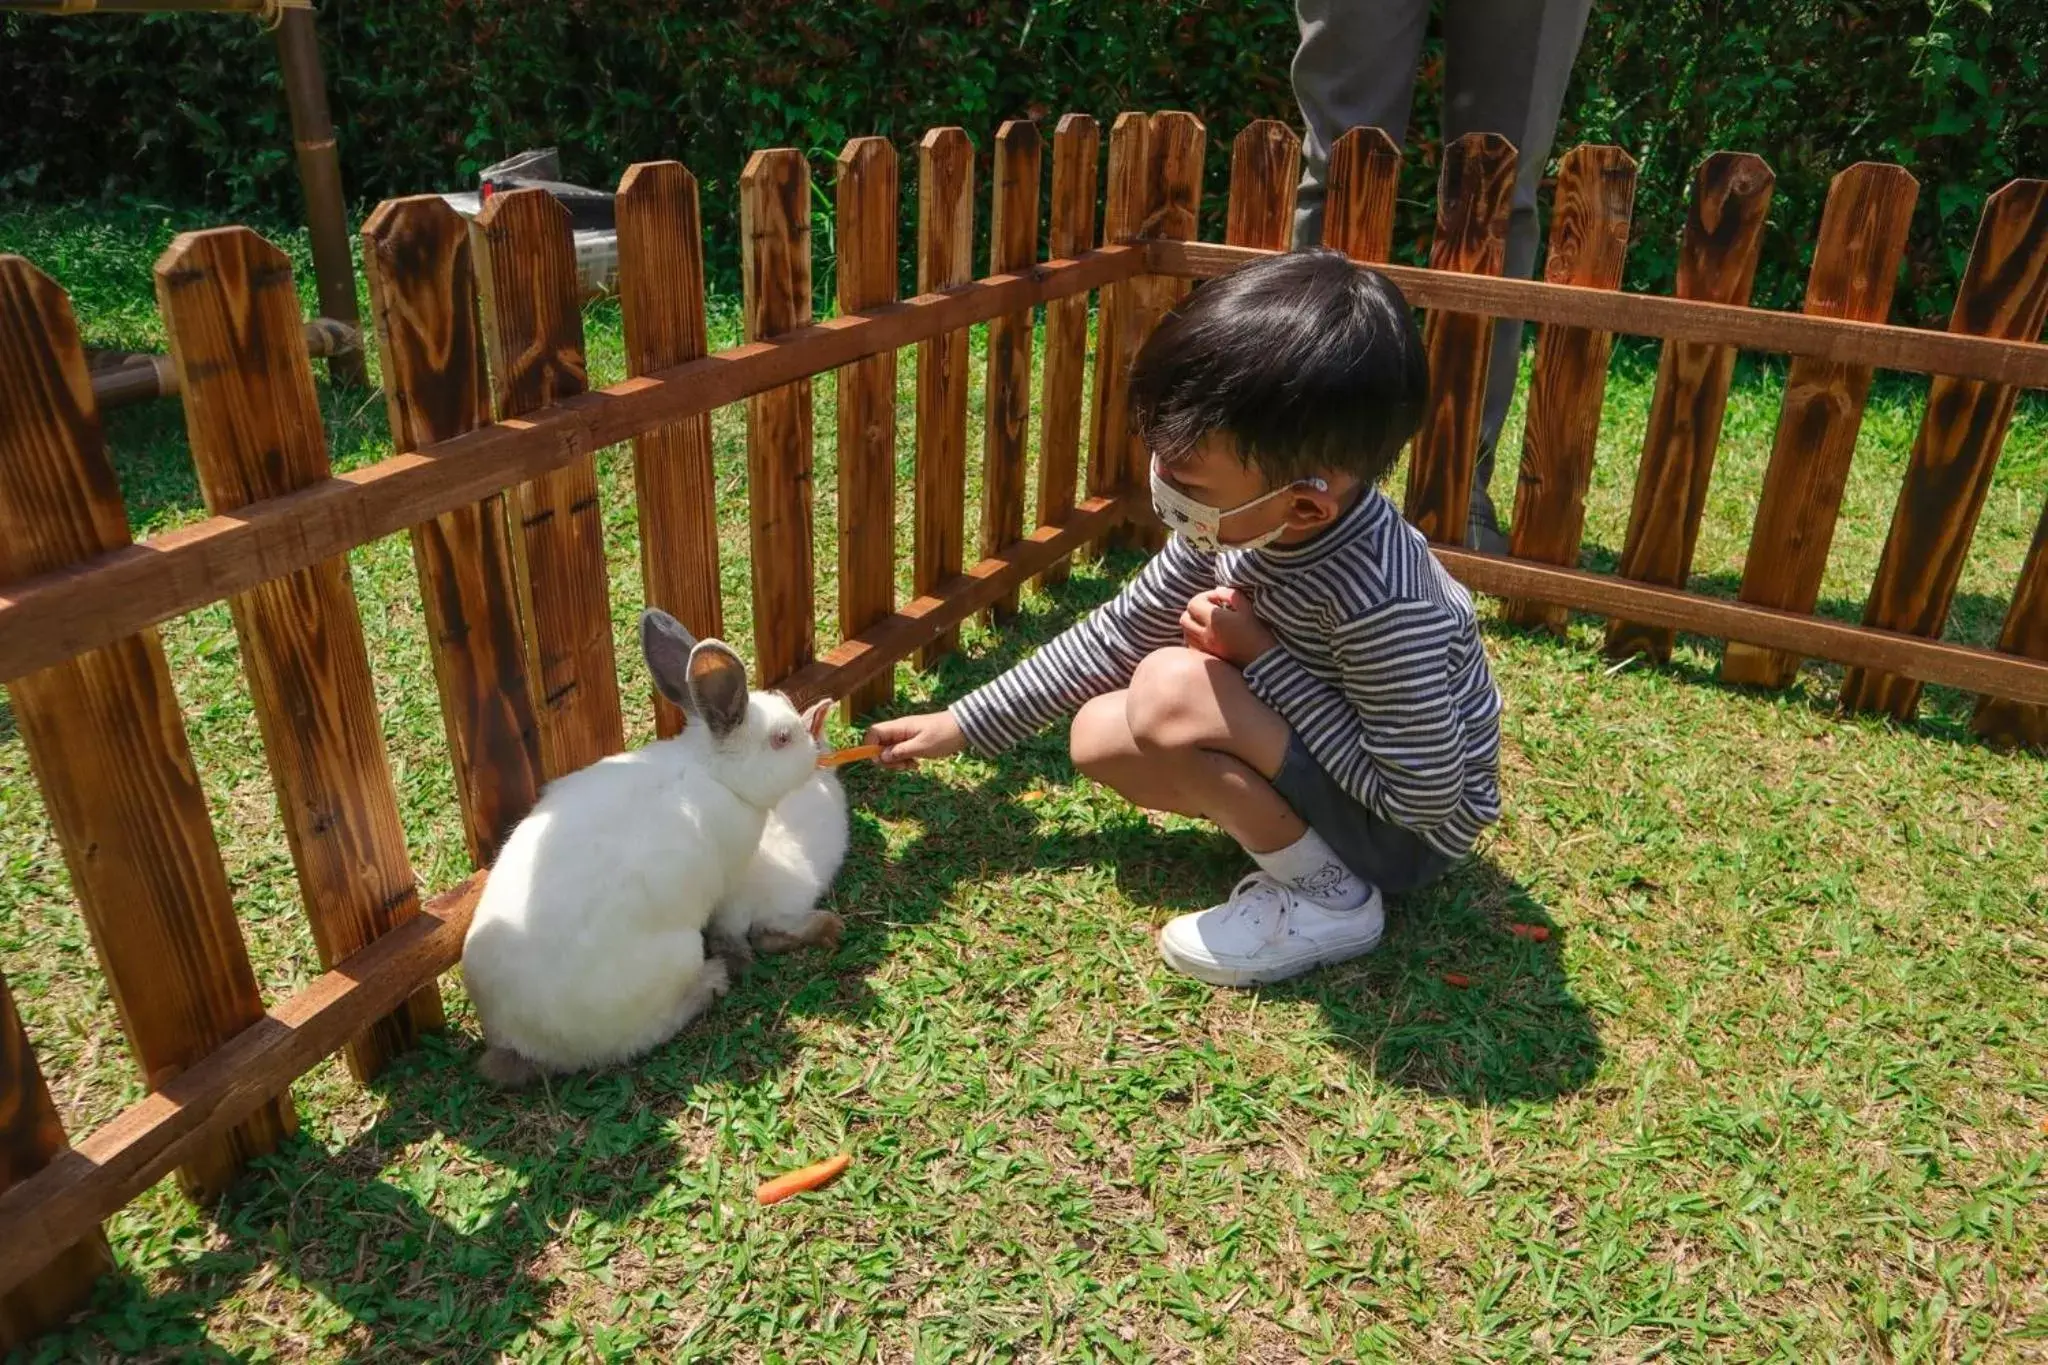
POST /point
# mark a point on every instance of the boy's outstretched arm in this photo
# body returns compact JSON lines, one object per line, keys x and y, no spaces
{"x":1096,"y":655}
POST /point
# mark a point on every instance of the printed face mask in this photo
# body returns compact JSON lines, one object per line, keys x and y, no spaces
{"x":1202,"y":525}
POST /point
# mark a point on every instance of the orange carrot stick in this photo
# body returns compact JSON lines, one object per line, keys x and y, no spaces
{"x":840,"y":757}
{"x":796,"y":1182}
{"x":1458,"y":979}
{"x":1535,"y":933}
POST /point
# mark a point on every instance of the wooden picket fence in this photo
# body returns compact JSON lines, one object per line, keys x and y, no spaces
{"x":496,"y":426}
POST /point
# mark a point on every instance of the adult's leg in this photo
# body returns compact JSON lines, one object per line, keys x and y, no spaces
{"x":1188,"y":736}
{"x":1506,"y":65}
{"x":1355,"y":68}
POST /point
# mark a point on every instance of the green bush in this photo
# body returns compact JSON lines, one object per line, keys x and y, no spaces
{"x":187,"y":109}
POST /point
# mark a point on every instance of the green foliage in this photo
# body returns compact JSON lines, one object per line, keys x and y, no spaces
{"x":187,"y":108}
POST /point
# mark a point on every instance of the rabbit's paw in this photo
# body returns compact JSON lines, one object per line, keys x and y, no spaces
{"x":729,"y":947}
{"x":822,"y":930}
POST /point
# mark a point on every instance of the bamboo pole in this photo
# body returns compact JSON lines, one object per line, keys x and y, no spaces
{"x":305,"y":89}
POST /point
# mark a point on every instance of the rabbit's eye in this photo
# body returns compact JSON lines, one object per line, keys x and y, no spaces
{"x":779,"y":740}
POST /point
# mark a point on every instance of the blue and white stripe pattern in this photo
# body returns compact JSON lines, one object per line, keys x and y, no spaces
{"x":1379,"y":671}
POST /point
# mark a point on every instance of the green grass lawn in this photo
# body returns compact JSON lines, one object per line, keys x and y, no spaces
{"x":1774,"y":1088}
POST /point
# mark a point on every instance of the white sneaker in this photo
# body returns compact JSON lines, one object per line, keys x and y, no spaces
{"x":1267,"y":932}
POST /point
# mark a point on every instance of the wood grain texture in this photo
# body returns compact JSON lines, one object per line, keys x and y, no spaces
{"x":2021,"y":364}
{"x":1175,"y":144}
{"x":423,"y":307}
{"x":1013,"y":246}
{"x":2003,"y":722}
{"x":661,"y":302}
{"x":866,"y":198}
{"x":533,"y":327}
{"x":2004,"y":293}
{"x":54,"y":616}
{"x":945,"y":259}
{"x":107,"y":741}
{"x":1360,"y":189}
{"x":57,"y":1204}
{"x":775,"y":268}
{"x":1589,"y":229}
{"x":1474,"y":194}
{"x":1855,"y":266}
{"x":1265,"y":177}
{"x":192,"y":1109}
{"x":32,"y":1136}
{"x":1076,"y":150}
{"x":1724,"y":226}
{"x":230,"y":311}
{"x":1123,"y":214}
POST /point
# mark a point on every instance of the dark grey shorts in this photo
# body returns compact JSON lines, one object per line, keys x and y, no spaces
{"x":1390,"y":857}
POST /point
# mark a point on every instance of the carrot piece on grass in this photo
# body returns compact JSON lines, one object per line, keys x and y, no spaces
{"x":839,"y":758}
{"x":1535,"y":933}
{"x":1458,"y":979}
{"x":796,"y":1182}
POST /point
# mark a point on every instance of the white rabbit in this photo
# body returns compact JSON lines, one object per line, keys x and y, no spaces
{"x":587,"y":947}
{"x":774,"y":906}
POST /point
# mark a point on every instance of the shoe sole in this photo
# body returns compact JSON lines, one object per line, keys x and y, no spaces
{"x":1222,"y":974}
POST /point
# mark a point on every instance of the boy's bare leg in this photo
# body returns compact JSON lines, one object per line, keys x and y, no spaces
{"x":1188,"y":736}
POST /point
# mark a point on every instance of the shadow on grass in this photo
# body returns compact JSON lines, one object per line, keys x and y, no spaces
{"x":421,"y":1267}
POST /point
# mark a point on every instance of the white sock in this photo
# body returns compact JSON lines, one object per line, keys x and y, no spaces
{"x":1315,"y":872}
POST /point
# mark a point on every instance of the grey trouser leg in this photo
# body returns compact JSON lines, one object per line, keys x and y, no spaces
{"x":1506,"y":64}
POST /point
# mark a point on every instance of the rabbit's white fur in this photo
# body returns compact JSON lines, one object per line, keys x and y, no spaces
{"x":587,"y":947}
{"x":775,"y":901}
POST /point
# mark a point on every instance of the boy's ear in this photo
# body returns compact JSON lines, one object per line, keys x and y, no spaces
{"x":1310,"y":506}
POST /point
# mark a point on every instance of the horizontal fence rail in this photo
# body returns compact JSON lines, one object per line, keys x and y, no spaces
{"x":1915,"y":350}
{"x":49,"y":619}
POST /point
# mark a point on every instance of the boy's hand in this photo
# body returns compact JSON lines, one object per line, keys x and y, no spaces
{"x":1220,"y":622}
{"x":908,"y":739}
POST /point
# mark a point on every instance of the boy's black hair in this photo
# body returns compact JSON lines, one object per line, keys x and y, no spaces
{"x":1309,"y":361}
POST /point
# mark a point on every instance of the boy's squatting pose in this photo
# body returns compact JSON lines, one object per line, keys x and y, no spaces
{"x":1295,"y":666}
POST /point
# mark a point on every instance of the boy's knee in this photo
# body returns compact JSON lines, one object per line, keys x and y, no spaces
{"x":1093,"y":739}
{"x":1172,"y":702}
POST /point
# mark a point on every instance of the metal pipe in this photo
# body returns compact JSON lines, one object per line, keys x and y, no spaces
{"x":305,"y":88}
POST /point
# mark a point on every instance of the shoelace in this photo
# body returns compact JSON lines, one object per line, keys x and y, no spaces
{"x":1268,"y":913}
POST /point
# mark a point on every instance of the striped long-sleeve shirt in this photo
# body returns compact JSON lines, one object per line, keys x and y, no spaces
{"x":1379,"y":668}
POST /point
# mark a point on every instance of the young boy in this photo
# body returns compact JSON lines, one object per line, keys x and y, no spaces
{"x":1294,"y":666}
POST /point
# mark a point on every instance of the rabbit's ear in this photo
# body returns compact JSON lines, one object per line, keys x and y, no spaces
{"x":666,"y":643}
{"x":814,"y":719}
{"x":718,"y":687}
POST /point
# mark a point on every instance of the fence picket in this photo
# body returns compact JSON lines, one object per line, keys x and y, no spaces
{"x":945,"y":258}
{"x":423,"y":306}
{"x":1123,"y":217}
{"x":865,"y":229}
{"x":1473,"y":197}
{"x":1265,"y":176}
{"x":1855,"y":266}
{"x":775,"y":267}
{"x":1013,"y":248}
{"x":1724,"y":226}
{"x":1360,"y":189}
{"x":107,"y":741}
{"x":2004,"y":722}
{"x":661,"y":303}
{"x":1076,"y":148}
{"x":31,"y":1135}
{"x":1174,"y":146}
{"x":533,"y":327}
{"x":231,"y":312}
{"x":1589,"y":224}
{"x":2004,"y":294}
